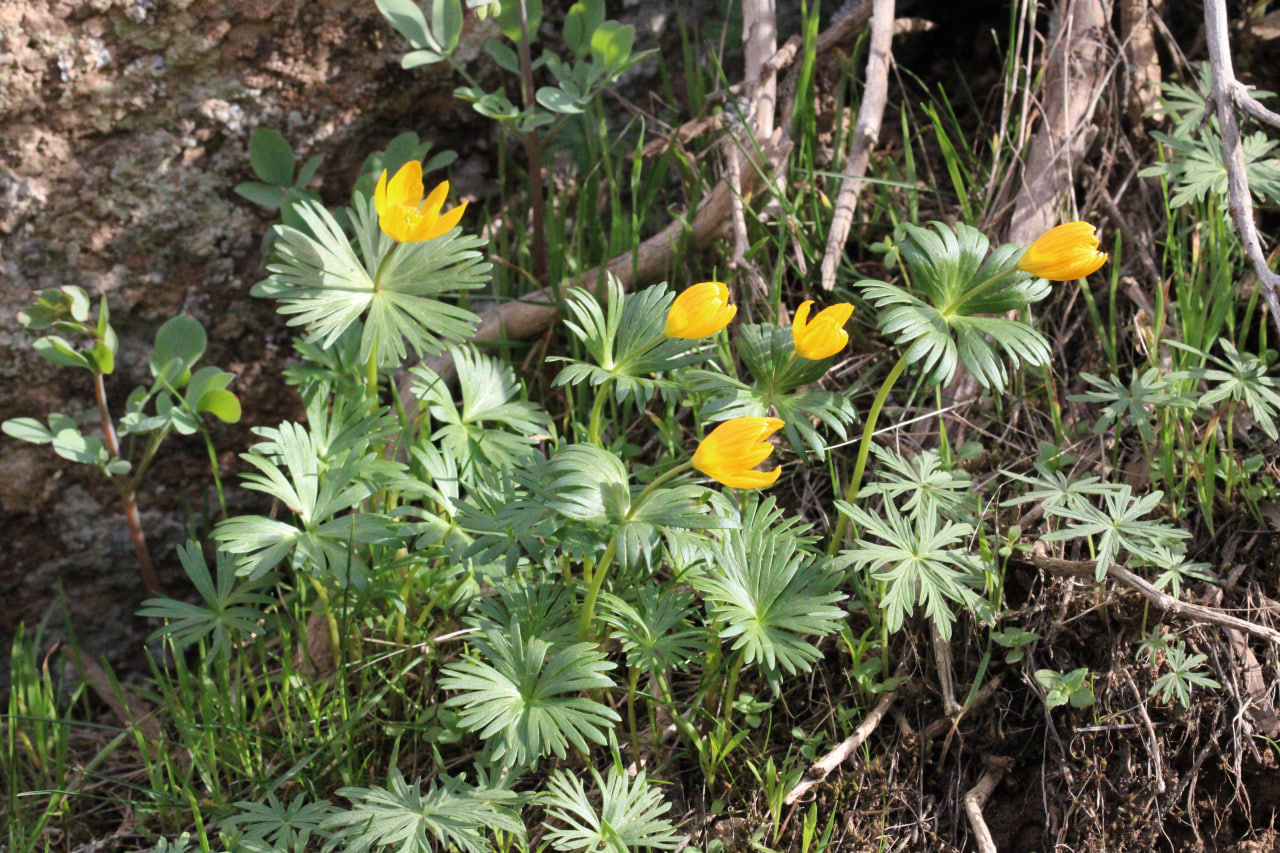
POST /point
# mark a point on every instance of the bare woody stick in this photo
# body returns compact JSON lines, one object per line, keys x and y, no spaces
{"x":865,"y":133}
{"x":1227,"y":94}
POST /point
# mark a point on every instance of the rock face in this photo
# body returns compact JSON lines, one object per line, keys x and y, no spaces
{"x":123,"y":129}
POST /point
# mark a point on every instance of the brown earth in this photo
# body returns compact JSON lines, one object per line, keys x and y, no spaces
{"x":123,"y":129}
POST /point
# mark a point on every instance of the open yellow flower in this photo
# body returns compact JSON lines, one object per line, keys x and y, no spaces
{"x":1064,"y":253}
{"x":824,"y":336}
{"x":732,"y":450}
{"x":402,"y":213}
{"x":700,"y":311}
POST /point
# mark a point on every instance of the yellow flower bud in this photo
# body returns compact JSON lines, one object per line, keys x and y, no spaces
{"x":824,"y":336}
{"x":1064,"y":253}
{"x":700,"y":311}
{"x":732,"y":450}
{"x":402,"y":213}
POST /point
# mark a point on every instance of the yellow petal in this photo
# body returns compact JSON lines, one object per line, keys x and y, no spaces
{"x":446,"y":223}
{"x":1064,"y":253}
{"x":700,"y":311}
{"x":824,"y":336}
{"x":380,"y":194}
{"x":732,"y":450}
{"x":431,"y":207}
{"x":406,"y":187}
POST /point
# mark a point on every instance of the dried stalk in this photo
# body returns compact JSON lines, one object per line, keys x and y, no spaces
{"x":866,"y":132}
{"x":1228,"y":94}
{"x":1159,"y":599}
{"x":977,"y":797}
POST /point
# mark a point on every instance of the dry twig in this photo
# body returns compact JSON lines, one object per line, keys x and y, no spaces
{"x":1228,"y":94}
{"x":977,"y":797}
{"x":1158,"y":598}
{"x":865,"y":133}
{"x":833,"y":759}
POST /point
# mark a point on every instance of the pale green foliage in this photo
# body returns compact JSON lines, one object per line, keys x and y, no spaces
{"x":628,"y":818}
{"x":1123,"y":524}
{"x":1184,"y":670}
{"x":405,"y":819}
{"x":956,"y":284}
{"x":921,"y":562}
{"x":523,"y":696}
{"x":321,"y":281}
{"x":321,"y":493}
{"x":929,"y":488}
{"x":625,"y":339}
{"x":230,"y":613}
{"x":1241,"y":378}
{"x":777,"y":388}
{"x":1056,"y":489}
{"x":1075,"y":687}
{"x":656,"y":632}
{"x":493,"y":426}
{"x":276,"y":826}
{"x":771,"y":591}
{"x":1147,"y":393}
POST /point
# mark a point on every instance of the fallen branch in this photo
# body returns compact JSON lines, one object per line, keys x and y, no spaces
{"x":866,"y":132}
{"x":1158,"y":598}
{"x":833,"y":759}
{"x":1227,"y":94}
{"x":977,"y":797}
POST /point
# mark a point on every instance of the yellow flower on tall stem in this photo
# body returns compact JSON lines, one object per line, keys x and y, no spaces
{"x":403,"y":214}
{"x":824,"y":335}
{"x":700,"y":311}
{"x":732,"y":450}
{"x":1064,"y":253}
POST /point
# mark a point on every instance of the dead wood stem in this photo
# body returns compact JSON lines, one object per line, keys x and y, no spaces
{"x":977,"y":797}
{"x":125,"y":486}
{"x":1159,"y":599}
{"x":866,"y":132}
{"x":1227,"y":95}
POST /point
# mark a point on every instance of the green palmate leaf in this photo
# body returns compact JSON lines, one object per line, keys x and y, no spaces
{"x":626,"y":340}
{"x":929,"y":488}
{"x":1055,"y":489}
{"x":491,"y":426}
{"x":919,"y":560}
{"x":543,"y":610}
{"x":1242,"y":378}
{"x":322,"y":282}
{"x":1123,"y":526}
{"x":629,"y":816}
{"x":405,"y":819}
{"x":956,"y":283}
{"x":508,"y":519}
{"x":329,"y":535}
{"x":665,"y":511}
{"x":771,"y":591}
{"x":1147,"y":394}
{"x":588,"y":484}
{"x":656,"y":629}
{"x":272,"y":825}
{"x":1197,"y":170}
{"x":524,"y":696}
{"x":232,"y":610}
{"x":768,"y":352}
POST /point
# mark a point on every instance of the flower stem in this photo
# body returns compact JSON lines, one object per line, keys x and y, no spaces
{"x":864,"y":449}
{"x":595,"y":579}
{"x":597,"y":410}
{"x":126,"y":489}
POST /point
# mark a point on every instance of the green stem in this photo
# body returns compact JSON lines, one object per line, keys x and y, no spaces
{"x":593,"y":591}
{"x":371,"y":372}
{"x":597,"y":410}
{"x":864,"y":449}
{"x":595,"y":579}
{"x":213,"y":466}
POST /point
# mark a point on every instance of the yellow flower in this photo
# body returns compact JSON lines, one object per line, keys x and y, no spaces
{"x":700,"y":311}
{"x":1064,"y":253}
{"x":733,"y":449}
{"x":402,"y":213}
{"x":824,"y":336}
